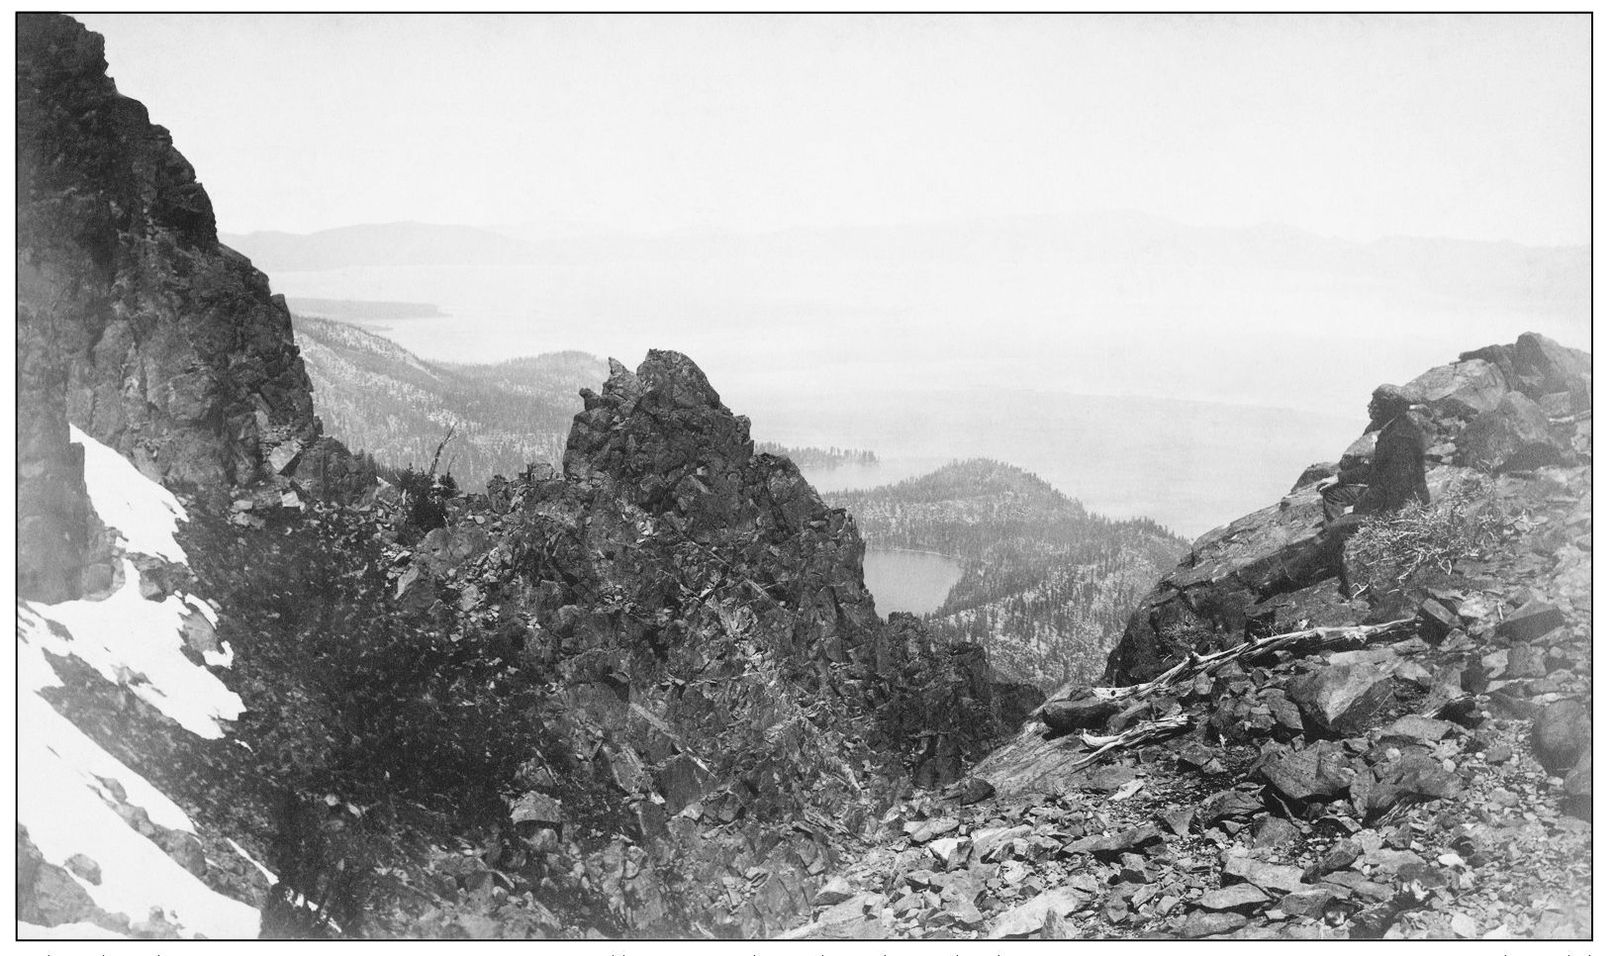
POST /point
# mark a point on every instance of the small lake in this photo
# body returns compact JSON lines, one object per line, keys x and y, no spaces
{"x":912,"y":581}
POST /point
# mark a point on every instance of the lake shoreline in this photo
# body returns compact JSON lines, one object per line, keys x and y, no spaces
{"x":937,"y":554}
{"x":909,"y":580}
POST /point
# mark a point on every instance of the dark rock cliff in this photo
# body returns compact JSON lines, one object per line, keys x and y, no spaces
{"x":133,"y":322}
{"x":170,"y":346}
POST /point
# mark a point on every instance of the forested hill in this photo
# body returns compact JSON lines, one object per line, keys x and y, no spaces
{"x":379,"y":397}
{"x":1047,"y":586}
{"x":811,"y":457}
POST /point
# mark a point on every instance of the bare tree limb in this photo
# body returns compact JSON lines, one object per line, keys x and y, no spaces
{"x":430,"y":472}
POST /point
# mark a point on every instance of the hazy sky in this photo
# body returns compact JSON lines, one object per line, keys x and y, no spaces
{"x":1472,"y":127}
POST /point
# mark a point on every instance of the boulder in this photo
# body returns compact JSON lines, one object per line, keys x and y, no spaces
{"x":856,"y":918}
{"x":1339,"y":856}
{"x":922,"y":832}
{"x":1056,"y":926}
{"x":1414,"y":727}
{"x":1273,"y":831}
{"x":961,"y":907}
{"x":1341,"y":699}
{"x":950,"y":851}
{"x":682,"y":781}
{"x":1201,"y":924}
{"x":1561,"y":733}
{"x":1113,"y":844}
{"x":1240,"y":896}
{"x":1529,"y":622}
{"x":1526,"y":662}
{"x":1320,"y":771}
{"x":1409,"y":778}
{"x":1544,"y":366}
{"x":1230,"y":805}
{"x":1277,"y":877}
{"x":1514,"y":436}
{"x":1460,"y":390}
{"x":1029,"y":917}
{"x":989,"y":840}
{"x":534,"y":811}
{"x":1210,"y":598}
{"x":974,"y":790}
{"x":1308,"y":902}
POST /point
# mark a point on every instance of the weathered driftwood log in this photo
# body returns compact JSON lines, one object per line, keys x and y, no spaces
{"x":1308,"y":641}
{"x":1063,"y":716}
{"x":1132,"y":737}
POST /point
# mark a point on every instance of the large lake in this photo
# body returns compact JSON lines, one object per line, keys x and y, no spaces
{"x":912,"y":581}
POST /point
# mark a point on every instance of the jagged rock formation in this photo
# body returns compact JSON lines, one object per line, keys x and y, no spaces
{"x":1045,"y":587}
{"x":698,"y":620}
{"x":1409,"y":759}
{"x":175,"y":351}
{"x":1488,"y":412}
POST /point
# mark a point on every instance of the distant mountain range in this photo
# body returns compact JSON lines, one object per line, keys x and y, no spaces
{"x":1047,"y":585}
{"x":1077,"y":303}
{"x":1143,"y":243}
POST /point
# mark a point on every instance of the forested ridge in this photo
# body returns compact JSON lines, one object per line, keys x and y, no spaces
{"x":1047,"y":585}
{"x":380,"y":398}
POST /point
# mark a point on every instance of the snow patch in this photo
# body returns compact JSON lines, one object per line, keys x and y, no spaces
{"x":143,"y":511}
{"x":44,"y":726}
{"x":136,"y":643}
{"x":70,"y":785}
{"x":62,"y":802}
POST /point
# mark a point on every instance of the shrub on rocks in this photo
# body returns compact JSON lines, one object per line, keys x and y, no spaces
{"x":1392,"y":551}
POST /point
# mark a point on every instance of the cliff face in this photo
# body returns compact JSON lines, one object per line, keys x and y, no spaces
{"x":170,"y":346}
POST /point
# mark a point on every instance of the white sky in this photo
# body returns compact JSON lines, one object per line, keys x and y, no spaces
{"x":1471,"y":127}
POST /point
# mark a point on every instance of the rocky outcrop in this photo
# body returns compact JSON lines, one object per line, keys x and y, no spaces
{"x":1403,"y":780}
{"x":171,"y":347}
{"x":1345,"y":756}
{"x":700,"y":621}
{"x":1488,"y":413}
